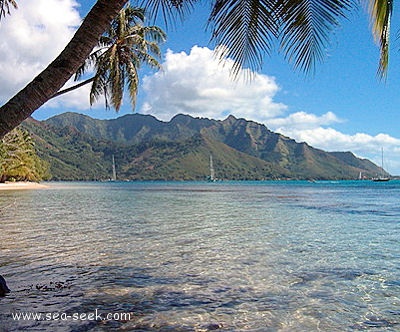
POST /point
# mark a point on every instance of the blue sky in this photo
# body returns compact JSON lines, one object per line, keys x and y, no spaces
{"x":342,"y":107}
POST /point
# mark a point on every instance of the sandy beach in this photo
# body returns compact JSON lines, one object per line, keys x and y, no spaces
{"x":21,"y":186}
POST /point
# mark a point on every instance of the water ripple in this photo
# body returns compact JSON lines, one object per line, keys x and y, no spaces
{"x":203,"y":257}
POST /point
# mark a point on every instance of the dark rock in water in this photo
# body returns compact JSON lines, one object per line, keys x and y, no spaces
{"x":213,"y":326}
{"x":3,"y":287}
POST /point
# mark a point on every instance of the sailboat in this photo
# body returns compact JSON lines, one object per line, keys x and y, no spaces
{"x":114,"y":172}
{"x":381,"y":177}
{"x":212,"y":178}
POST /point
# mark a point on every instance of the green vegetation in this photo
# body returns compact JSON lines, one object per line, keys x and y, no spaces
{"x":78,"y":147}
{"x":18,"y":159}
{"x":245,"y":30}
{"x":121,"y":50}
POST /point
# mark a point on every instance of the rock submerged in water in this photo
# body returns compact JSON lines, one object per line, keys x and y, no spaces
{"x":3,"y":287}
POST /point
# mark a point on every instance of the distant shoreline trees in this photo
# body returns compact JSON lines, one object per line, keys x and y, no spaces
{"x":18,"y":158}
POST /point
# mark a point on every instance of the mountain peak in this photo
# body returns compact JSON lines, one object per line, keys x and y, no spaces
{"x":181,"y":118}
{"x":230,"y":119}
{"x":243,"y":149}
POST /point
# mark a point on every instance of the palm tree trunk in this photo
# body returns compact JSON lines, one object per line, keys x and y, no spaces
{"x":50,"y":80}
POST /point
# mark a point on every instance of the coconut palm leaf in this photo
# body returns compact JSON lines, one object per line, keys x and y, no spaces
{"x":5,"y":6}
{"x":170,"y":9}
{"x":251,"y":29}
{"x":124,"y":47}
{"x":133,"y":81}
{"x":381,"y":13}
{"x":247,"y":28}
{"x":88,"y":64}
{"x":305,"y":27}
{"x":99,"y":88}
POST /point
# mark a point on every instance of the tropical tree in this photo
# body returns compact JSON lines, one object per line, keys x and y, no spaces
{"x":125,"y":46}
{"x":249,"y":29}
{"x":53,"y":78}
{"x":300,"y":29}
{"x":18,"y":158}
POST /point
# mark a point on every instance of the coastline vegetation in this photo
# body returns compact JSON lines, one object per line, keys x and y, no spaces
{"x":78,"y":147}
{"x":19,"y":160}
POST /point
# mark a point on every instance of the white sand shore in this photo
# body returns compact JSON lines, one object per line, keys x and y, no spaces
{"x":21,"y":186}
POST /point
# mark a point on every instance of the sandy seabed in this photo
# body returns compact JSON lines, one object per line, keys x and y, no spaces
{"x":21,"y":186}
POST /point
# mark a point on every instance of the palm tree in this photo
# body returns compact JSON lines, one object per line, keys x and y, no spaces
{"x":381,"y":13}
{"x":121,"y":51}
{"x":249,"y":29}
{"x":51,"y":79}
{"x":300,"y":29}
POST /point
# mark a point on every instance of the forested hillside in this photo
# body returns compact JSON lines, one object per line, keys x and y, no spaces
{"x":78,"y":147}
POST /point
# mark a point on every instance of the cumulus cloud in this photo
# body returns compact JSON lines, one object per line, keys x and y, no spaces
{"x":313,"y":131}
{"x":31,"y":38}
{"x":199,"y":84}
{"x":195,"y":83}
{"x":303,"y":120}
{"x":333,"y":140}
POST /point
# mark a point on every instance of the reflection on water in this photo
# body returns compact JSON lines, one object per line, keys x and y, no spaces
{"x":202,"y":257}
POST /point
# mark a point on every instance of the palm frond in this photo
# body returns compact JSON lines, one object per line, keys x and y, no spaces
{"x":100,"y":82}
{"x":134,"y":15}
{"x":117,"y":83}
{"x":122,"y":49}
{"x":305,"y":29}
{"x":114,"y":75}
{"x":98,"y":89}
{"x":105,"y":41}
{"x":247,"y":28}
{"x":148,"y":59}
{"x":170,"y":10}
{"x":127,"y":17}
{"x":133,"y":82}
{"x":88,"y":64}
{"x":5,"y":6}
{"x":153,"y":48}
{"x":381,"y":13}
{"x":155,"y":34}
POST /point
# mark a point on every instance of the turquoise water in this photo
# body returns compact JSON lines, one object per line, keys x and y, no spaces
{"x":230,"y":256}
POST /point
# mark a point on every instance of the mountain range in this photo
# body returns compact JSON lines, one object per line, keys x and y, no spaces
{"x":79,"y":147}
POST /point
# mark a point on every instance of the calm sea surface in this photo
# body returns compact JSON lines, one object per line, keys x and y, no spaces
{"x":230,"y":256}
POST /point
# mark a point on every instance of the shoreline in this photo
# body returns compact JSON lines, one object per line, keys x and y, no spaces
{"x":21,"y":186}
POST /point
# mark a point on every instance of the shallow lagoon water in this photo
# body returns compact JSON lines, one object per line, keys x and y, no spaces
{"x":193,"y":256}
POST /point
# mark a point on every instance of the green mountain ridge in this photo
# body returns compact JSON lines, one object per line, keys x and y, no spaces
{"x":79,"y":147}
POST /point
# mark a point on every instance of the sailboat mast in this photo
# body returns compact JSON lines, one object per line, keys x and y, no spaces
{"x":212,"y":172}
{"x":382,"y":176}
{"x":114,"y":172}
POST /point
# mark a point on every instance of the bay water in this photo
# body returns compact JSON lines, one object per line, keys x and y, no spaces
{"x":198,"y":256}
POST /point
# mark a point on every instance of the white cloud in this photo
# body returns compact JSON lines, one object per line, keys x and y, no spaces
{"x":363,"y":145}
{"x":198,"y":84}
{"x":31,"y":38}
{"x":333,"y":140}
{"x":77,"y":99}
{"x":303,"y":120}
{"x":194,"y":83}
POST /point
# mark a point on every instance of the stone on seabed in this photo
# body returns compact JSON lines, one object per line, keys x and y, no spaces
{"x":3,"y":287}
